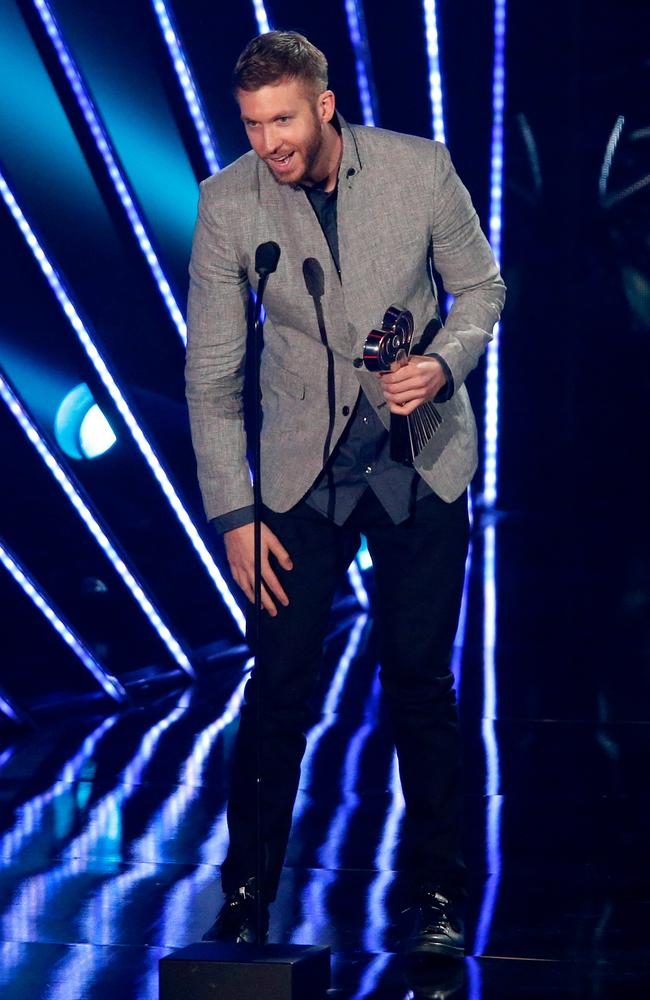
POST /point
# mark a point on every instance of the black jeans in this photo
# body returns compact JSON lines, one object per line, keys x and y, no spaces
{"x":419,"y":570}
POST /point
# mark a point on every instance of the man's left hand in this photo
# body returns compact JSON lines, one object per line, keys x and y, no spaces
{"x":419,"y":380}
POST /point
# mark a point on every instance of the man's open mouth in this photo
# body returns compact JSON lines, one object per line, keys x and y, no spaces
{"x":281,"y":161}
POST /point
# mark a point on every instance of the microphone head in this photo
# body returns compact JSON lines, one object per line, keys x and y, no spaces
{"x":267,"y":256}
{"x":314,"y":277}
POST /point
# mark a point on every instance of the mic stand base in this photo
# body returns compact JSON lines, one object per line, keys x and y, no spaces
{"x":214,"y":970}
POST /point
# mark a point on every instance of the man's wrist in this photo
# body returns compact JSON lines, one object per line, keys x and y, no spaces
{"x":233,"y":519}
{"x":447,"y":390}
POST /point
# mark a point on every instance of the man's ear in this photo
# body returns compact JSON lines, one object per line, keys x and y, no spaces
{"x":326,"y":106}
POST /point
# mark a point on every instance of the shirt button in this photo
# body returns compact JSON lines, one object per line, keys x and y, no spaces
{"x":368,"y":469}
{"x":365,"y":420}
{"x":345,"y":411}
{"x":358,"y":362}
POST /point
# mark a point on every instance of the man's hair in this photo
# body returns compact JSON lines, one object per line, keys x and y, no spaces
{"x":280,"y":55}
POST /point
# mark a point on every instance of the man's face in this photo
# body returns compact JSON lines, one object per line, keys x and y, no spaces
{"x":283,"y":123}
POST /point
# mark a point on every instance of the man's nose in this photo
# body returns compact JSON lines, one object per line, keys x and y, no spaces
{"x":270,"y":141}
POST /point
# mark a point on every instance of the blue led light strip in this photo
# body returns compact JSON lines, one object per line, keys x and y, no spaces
{"x":370,"y":980}
{"x":494,"y":800}
{"x":314,"y":896}
{"x":110,"y":684}
{"x":83,"y":510}
{"x":496,"y":199}
{"x":120,"y":402}
{"x":190,"y":93}
{"x":362,"y":60}
{"x":377,"y":917}
{"x":329,"y":709}
{"x":435,"y":76}
{"x":263,"y":24}
{"x":116,"y":174}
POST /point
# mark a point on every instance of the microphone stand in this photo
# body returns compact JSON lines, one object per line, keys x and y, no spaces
{"x":251,"y":972}
{"x":266,"y":261}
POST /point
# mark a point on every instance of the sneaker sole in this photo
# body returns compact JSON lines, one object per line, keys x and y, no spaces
{"x":425,"y":947}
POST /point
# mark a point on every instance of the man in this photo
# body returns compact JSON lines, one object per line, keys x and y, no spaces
{"x":361,"y":216}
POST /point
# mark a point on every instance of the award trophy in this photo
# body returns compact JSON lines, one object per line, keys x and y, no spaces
{"x":383,"y":350}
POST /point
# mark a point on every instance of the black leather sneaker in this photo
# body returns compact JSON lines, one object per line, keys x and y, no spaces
{"x":237,"y":919}
{"x":436,"y":927}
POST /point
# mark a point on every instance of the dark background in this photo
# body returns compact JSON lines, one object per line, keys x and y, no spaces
{"x":575,"y":338}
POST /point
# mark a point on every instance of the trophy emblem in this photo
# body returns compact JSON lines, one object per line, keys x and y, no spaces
{"x":383,"y":350}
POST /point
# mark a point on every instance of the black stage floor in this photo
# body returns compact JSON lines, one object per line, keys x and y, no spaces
{"x":112,"y":830}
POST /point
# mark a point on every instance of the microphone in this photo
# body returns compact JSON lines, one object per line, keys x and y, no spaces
{"x":267,"y":256}
{"x":314,"y":277}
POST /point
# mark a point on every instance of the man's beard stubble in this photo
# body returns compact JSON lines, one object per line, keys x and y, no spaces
{"x":312,"y":153}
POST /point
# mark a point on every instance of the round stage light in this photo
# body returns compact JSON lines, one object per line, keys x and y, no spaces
{"x":80,"y":427}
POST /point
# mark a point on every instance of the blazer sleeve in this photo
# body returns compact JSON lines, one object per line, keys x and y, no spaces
{"x":463,"y":258}
{"x":214,"y":369}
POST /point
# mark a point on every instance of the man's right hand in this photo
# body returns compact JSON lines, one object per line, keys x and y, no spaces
{"x":240,"y":549}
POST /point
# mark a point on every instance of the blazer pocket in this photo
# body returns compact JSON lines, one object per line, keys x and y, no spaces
{"x":282,"y":380}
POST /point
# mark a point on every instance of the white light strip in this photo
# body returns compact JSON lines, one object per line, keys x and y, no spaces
{"x":110,"y":684}
{"x":263,"y":24}
{"x":116,"y":174}
{"x":190,"y":93}
{"x":362,"y":60}
{"x":120,"y":402}
{"x":435,"y":76}
{"x":496,"y":199}
{"x":72,"y":493}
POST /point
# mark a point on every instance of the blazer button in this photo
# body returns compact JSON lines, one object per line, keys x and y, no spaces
{"x":358,"y":362}
{"x":345,"y":411}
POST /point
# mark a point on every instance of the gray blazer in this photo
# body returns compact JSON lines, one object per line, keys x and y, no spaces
{"x":399,"y":202}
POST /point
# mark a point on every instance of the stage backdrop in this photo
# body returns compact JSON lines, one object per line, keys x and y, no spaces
{"x":110,"y":116}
